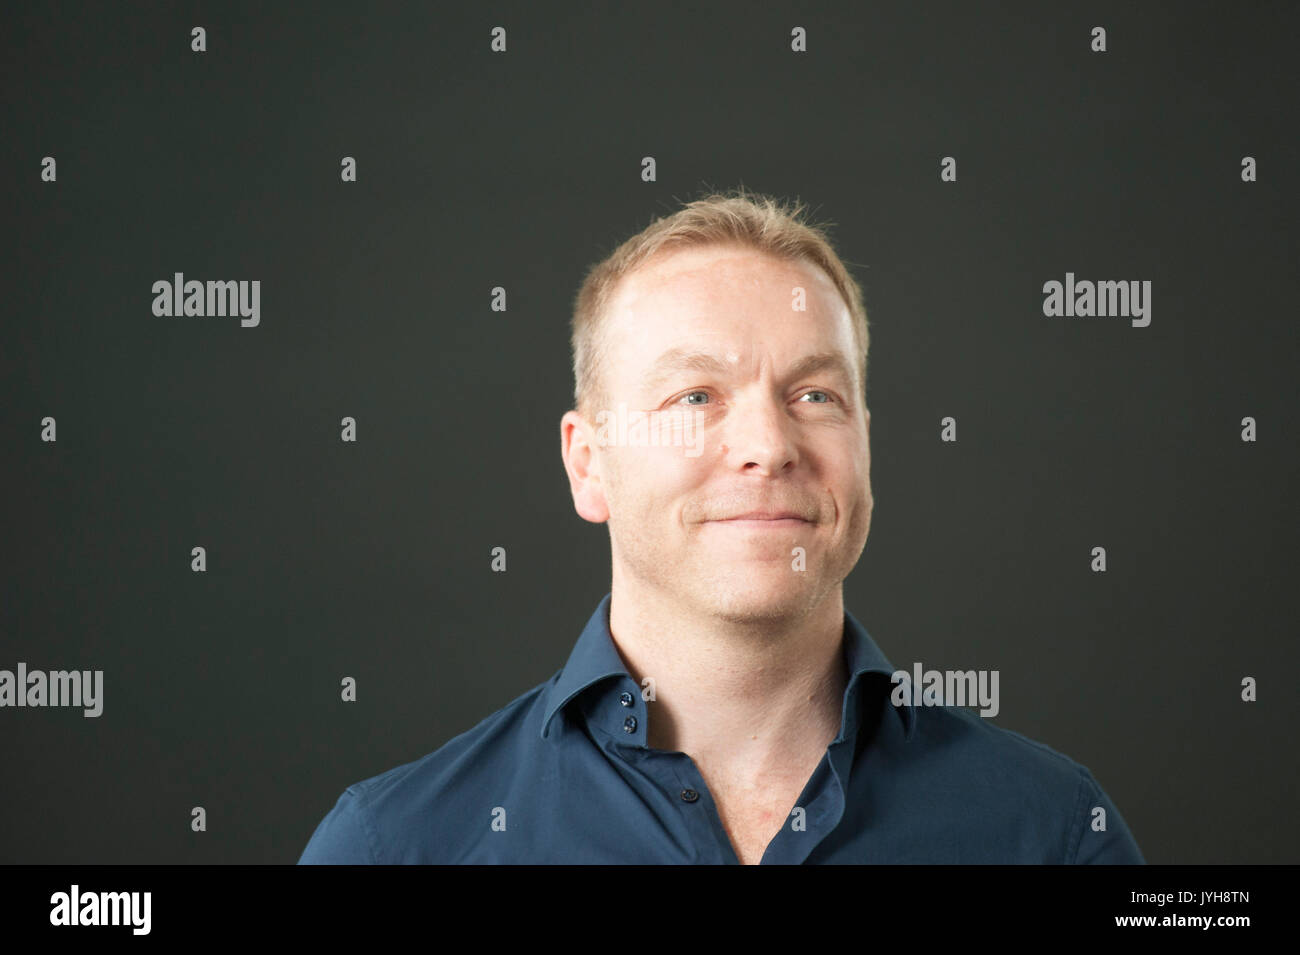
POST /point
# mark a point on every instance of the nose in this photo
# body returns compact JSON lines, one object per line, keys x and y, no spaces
{"x":757,"y":437}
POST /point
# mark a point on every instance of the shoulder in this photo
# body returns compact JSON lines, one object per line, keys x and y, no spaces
{"x":401,"y":815}
{"x":1042,"y":795}
{"x":962,"y":739}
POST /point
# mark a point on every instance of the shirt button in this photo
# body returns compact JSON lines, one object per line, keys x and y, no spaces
{"x":625,"y":698}
{"x":629,"y":724}
{"x":689,"y":795}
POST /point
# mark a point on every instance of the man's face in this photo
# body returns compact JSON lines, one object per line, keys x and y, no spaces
{"x":768,"y":436}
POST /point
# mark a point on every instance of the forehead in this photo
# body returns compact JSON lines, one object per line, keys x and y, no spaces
{"x":720,"y":296}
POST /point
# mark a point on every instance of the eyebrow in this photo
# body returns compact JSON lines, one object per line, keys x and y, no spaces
{"x":679,"y":359}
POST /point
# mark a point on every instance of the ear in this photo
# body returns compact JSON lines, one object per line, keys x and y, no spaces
{"x":582,"y":463}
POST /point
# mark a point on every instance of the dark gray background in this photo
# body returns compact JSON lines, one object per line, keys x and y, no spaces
{"x":478,"y":169}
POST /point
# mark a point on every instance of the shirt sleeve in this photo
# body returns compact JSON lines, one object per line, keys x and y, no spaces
{"x":1113,"y":845}
{"x":344,"y":837}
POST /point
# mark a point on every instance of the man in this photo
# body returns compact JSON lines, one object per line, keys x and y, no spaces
{"x":721,"y":705}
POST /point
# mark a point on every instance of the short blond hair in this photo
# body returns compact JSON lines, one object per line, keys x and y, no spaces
{"x":741,"y":218}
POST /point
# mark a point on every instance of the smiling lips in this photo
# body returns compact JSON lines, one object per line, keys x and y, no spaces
{"x":771,"y":520}
{"x":764,"y":516}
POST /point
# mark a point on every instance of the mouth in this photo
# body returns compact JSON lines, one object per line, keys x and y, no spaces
{"x":785,"y":523}
{"x":764,"y":520}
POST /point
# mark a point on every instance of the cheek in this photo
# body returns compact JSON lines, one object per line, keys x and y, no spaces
{"x":868,"y":499}
{"x":649,"y":481}
{"x":851,"y":478}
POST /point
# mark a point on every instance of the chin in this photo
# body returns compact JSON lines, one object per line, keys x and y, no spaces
{"x":760,"y":597}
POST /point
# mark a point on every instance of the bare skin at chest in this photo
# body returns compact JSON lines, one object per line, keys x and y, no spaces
{"x":753,"y":815}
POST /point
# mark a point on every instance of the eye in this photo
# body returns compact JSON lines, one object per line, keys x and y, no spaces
{"x":822,"y":393}
{"x":692,"y":394}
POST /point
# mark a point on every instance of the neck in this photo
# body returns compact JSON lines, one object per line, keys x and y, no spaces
{"x":749,"y":699}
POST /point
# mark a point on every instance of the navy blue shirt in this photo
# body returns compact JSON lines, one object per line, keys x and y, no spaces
{"x":563,"y":775}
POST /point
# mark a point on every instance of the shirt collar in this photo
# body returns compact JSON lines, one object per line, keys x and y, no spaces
{"x":595,"y":659}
